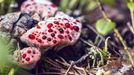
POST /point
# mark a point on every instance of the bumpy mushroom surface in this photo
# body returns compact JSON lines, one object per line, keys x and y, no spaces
{"x":59,"y":30}
{"x":74,"y":26}
{"x":43,"y":8}
{"x":27,"y":57}
{"x":24,"y":23}
{"x":16,"y":23}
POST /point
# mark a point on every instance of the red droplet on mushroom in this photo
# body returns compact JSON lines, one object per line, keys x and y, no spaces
{"x":43,"y":33}
{"x":44,"y":37}
{"x":52,"y":34}
{"x":49,"y":25}
{"x":55,"y":32}
{"x":54,"y":41}
{"x":67,"y":25}
{"x":49,"y":39}
{"x":76,"y":28}
{"x":61,"y":30}
{"x":65,"y":19}
{"x":27,"y":59}
{"x":70,"y":38}
{"x":77,"y":21}
{"x":31,"y":36}
{"x":61,"y":36}
{"x":56,"y":22}
{"x":23,"y":56}
{"x":53,"y":5}
{"x":38,"y":27}
{"x":27,"y":5}
{"x":22,"y":62}
{"x":33,"y":52}
{"x":39,"y":40}
{"x":61,"y":24}
{"x":29,"y":51}
{"x":67,"y":32}
{"x":50,"y":30}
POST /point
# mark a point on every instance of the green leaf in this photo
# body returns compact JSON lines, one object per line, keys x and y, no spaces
{"x":73,"y":3}
{"x":11,"y":72}
{"x":130,"y":5}
{"x":104,"y":26}
{"x":91,"y":5}
{"x":1,"y":1}
{"x":64,"y":4}
{"x":110,"y":2}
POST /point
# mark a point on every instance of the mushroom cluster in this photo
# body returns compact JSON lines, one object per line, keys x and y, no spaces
{"x":40,"y":26}
{"x":27,"y":57}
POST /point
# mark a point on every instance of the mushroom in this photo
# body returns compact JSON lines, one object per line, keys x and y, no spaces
{"x":55,"y":31}
{"x":43,"y":8}
{"x":73,"y":25}
{"x":27,"y":57}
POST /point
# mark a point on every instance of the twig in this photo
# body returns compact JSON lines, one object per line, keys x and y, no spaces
{"x":71,"y":65}
{"x":130,"y":27}
{"x":132,"y":16}
{"x":81,"y":59}
{"x":50,"y":73}
{"x":86,"y":42}
{"x":104,"y":14}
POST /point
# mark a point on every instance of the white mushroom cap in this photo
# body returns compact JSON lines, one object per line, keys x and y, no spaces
{"x":27,"y":57}
{"x":44,"y":8}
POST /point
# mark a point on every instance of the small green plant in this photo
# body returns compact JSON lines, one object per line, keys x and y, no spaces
{"x":101,"y":25}
{"x":97,"y":54}
{"x":7,"y":46}
{"x":105,"y":26}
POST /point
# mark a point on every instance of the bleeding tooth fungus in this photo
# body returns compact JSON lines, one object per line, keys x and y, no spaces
{"x":44,"y":8}
{"x":55,"y":31}
{"x":27,"y":57}
{"x":40,"y":24}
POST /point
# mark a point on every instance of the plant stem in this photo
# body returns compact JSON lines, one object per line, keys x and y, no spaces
{"x":117,"y":32}
{"x":104,"y":14}
{"x":125,"y":46}
{"x":132,"y":16}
